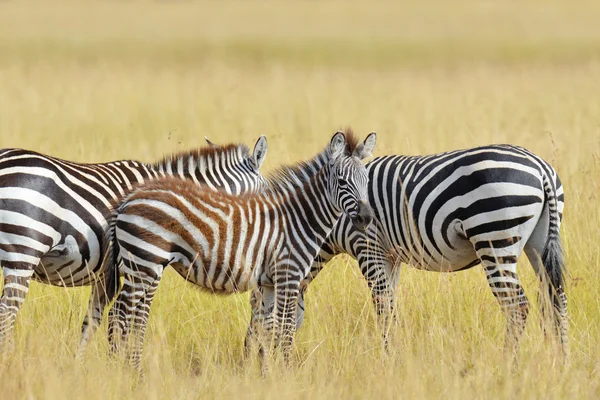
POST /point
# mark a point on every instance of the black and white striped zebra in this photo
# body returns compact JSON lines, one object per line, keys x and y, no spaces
{"x":53,"y":216}
{"x":227,"y":244}
{"x":449,"y":212}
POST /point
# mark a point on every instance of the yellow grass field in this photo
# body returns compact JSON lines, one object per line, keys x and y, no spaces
{"x":102,"y":80}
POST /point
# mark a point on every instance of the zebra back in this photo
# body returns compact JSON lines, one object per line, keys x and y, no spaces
{"x":62,"y":206}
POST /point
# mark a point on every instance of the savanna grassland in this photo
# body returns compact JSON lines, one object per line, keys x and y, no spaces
{"x":102,"y":80}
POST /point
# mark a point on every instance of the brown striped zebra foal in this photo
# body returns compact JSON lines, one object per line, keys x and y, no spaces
{"x":227,"y":244}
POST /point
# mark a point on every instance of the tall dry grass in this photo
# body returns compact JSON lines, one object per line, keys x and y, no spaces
{"x":94,"y":81}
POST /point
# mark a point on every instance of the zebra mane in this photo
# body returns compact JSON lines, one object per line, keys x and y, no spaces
{"x":352,"y":141}
{"x":288,"y":177}
{"x":181,"y":162}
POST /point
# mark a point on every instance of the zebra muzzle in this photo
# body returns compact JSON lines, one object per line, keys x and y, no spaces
{"x":363,"y":217}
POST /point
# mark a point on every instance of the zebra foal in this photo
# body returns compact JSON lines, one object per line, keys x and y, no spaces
{"x":452,"y":211}
{"x":53,"y":216}
{"x":227,"y":244}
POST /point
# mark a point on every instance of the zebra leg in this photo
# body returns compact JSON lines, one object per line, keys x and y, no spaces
{"x":262,"y":302}
{"x":499,"y":260}
{"x":534,"y":256}
{"x":16,"y":286}
{"x":287,"y":289}
{"x":117,"y":317}
{"x":382,"y":276}
{"x":551,"y":294}
{"x":124,"y":308}
{"x":316,"y":267}
{"x":255,"y":320}
{"x":98,"y":301}
{"x":140,"y":321}
{"x":103,"y":291}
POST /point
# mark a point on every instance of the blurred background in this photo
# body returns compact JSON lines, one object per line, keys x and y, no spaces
{"x":137,"y":78}
{"x":97,"y":81}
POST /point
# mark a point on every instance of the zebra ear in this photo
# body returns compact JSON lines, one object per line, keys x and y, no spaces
{"x":259,"y":152}
{"x":211,"y":144}
{"x":337,"y":145}
{"x":365,"y":149}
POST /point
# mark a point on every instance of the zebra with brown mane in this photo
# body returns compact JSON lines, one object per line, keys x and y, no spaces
{"x":53,"y":216}
{"x":228,"y":244}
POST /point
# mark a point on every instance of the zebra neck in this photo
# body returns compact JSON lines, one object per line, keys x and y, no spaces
{"x":314,"y":165}
{"x":202,"y":167}
{"x":310,"y":209}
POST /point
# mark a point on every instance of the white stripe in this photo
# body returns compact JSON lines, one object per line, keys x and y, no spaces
{"x":80,"y":168}
{"x":14,"y":218}
{"x":177,"y":215}
{"x":92,"y":209}
{"x":40,"y":200}
{"x":12,"y":239}
{"x":154,"y":228}
{"x":16,"y":286}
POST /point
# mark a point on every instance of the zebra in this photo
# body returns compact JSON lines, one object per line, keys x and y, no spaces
{"x":449,"y":212}
{"x":228,"y":244}
{"x":53,"y":216}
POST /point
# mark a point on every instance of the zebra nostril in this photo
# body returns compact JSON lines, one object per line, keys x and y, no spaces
{"x":362,"y":220}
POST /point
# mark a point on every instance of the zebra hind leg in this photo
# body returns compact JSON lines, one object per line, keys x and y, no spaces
{"x":123,"y":311}
{"x":287,"y":290}
{"x":16,"y":286}
{"x":499,"y":260}
{"x":98,"y":301}
{"x":139,"y":320}
{"x":552,"y":297}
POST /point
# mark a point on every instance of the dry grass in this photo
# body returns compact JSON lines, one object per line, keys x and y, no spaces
{"x":95,"y":81}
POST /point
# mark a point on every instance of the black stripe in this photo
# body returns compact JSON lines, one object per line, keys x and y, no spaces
{"x":468,"y":183}
{"x":497,"y":226}
{"x":499,"y":260}
{"x":497,"y":244}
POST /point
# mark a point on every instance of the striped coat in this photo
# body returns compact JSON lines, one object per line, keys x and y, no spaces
{"x":450,"y":212}
{"x":53,"y":215}
{"x":227,"y":244}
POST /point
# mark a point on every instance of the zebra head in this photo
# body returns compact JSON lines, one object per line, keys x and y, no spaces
{"x":243,"y":174}
{"x":348,"y":179}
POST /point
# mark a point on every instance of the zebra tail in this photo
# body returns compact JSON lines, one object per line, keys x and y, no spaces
{"x":552,"y":256}
{"x":112,"y":267}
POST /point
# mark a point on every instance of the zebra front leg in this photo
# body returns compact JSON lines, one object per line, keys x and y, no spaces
{"x":262,"y":302}
{"x":16,"y":286}
{"x":382,"y":276}
{"x":316,"y":267}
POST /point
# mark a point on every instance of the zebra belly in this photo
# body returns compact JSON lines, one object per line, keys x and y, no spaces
{"x":461,"y":259}
{"x":220,"y":278}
